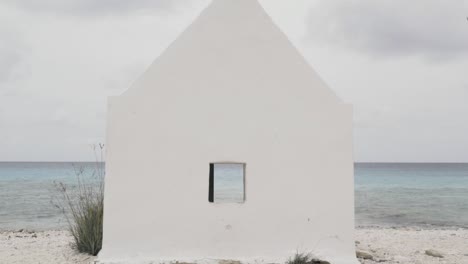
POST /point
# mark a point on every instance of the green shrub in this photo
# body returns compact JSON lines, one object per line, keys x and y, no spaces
{"x":83,"y":206}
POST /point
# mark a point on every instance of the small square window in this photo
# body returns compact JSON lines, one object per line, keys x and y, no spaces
{"x":227,"y":181}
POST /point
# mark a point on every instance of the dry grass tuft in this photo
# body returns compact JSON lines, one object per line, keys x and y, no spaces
{"x":83,"y":206}
{"x":305,"y":258}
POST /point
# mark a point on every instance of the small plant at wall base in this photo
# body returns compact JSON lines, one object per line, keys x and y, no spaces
{"x":305,"y":258}
{"x":83,"y":205}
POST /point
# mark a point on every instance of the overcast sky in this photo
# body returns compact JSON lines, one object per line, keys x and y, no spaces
{"x":403,"y":64}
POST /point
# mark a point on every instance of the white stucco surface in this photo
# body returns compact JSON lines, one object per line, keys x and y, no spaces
{"x":231,"y":88}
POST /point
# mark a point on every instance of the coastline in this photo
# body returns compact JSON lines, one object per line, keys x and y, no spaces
{"x":390,"y":245}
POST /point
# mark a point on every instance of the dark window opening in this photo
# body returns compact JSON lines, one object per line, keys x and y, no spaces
{"x":211,"y":191}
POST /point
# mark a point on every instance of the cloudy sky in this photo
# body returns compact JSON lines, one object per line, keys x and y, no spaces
{"x":403,"y":64}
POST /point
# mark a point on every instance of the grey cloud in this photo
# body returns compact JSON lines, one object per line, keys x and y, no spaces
{"x":9,"y":53}
{"x":94,"y":7}
{"x":8,"y":60}
{"x":12,"y":49}
{"x":433,"y":28}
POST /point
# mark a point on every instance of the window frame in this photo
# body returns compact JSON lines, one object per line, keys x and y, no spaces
{"x":212,"y":176}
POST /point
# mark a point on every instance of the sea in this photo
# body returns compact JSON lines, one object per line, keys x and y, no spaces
{"x":421,"y":195}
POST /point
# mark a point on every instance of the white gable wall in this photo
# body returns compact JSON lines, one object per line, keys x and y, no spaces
{"x":231,"y":88}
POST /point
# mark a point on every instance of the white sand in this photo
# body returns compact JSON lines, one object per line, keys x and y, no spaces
{"x":48,"y":247}
{"x":409,"y":246}
{"x":403,"y":246}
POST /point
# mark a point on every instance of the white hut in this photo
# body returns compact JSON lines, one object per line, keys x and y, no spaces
{"x":230,"y":146}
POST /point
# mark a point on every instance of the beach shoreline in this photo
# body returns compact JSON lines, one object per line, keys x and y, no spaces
{"x":388,"y":245}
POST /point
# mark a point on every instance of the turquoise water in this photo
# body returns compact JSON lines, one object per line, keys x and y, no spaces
{"x":411,"y":194}
{"x":423,"y":195}
{"x":28,"y":193}
{"x":228,"y":183}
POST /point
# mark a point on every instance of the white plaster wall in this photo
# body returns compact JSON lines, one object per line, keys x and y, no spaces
{"x":231,"y":88}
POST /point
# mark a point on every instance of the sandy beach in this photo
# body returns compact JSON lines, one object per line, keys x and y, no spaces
{"x":393,"y":246}
{"x":43,"y":247}
{"x":385,"y":245}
